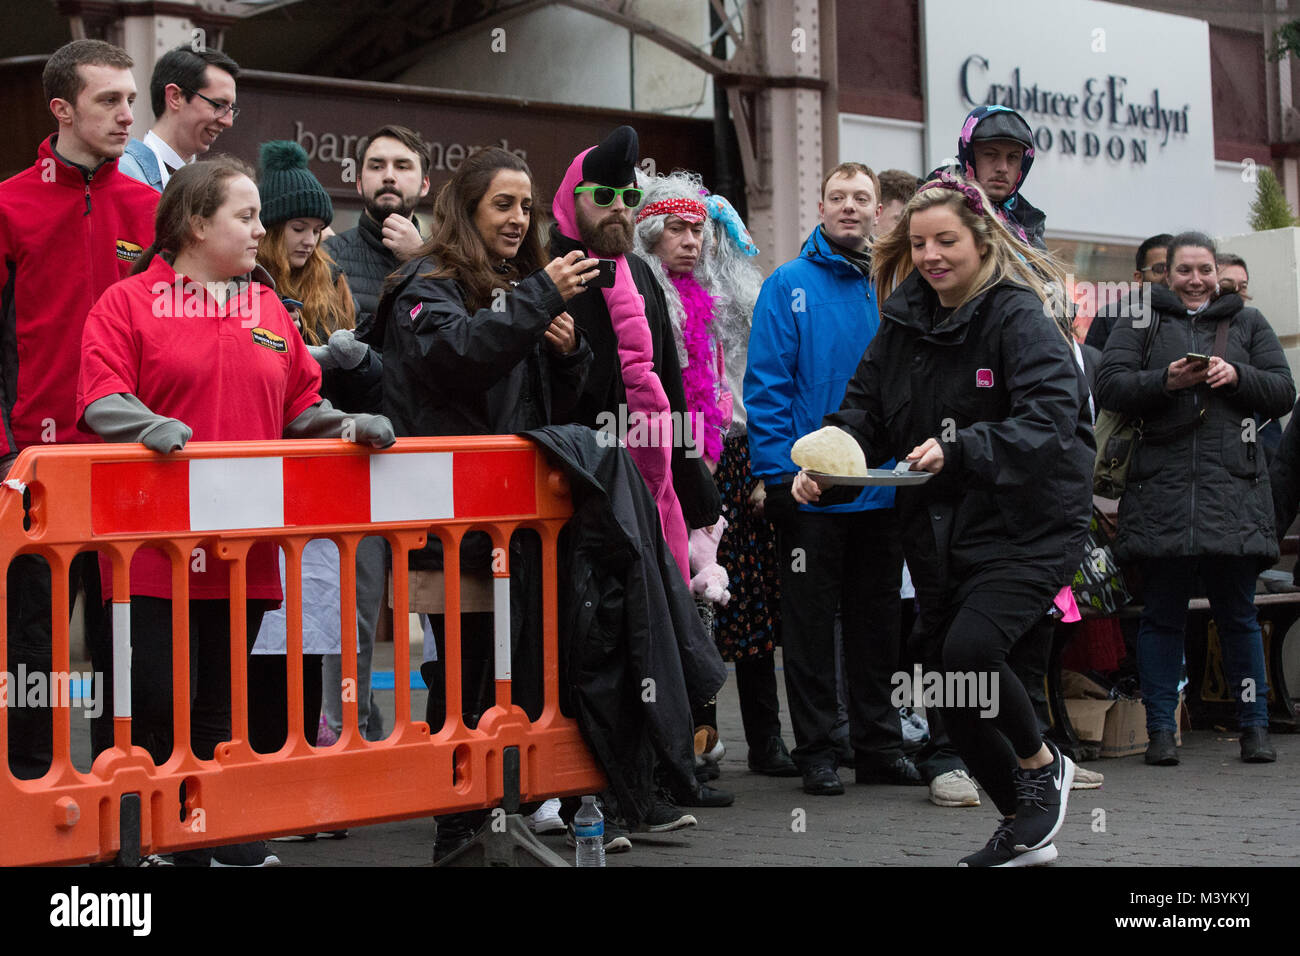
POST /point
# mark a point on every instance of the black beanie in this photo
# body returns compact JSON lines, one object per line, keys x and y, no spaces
{"x":287,"y":187}
{"x":613,"y":162}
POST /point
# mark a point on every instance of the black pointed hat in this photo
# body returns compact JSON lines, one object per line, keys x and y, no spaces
{"x":613,"y":162}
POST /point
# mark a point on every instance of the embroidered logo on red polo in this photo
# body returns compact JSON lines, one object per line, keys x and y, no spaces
{"x":269,"y":339}
{"x":128,"y":251}
{"x":984,"y":378}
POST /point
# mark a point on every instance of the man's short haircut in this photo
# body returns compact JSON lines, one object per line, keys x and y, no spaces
{"x":1231,"y":259}
{"x":895,"y":184}
{"x":849,"y":170}
{"x":404,"y":135}
{"x":61,"y":78}
{"x":185,"y":67}
{"x":1155,"y":242}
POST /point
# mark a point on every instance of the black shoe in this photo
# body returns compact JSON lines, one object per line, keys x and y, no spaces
{"x":707,"y":797}
{"x":1161,"y":750}
{"x":822,"y":782}
{"x":454,"y":831}
{"x":999,"y":851}
{"x":902,"y":773}
{"x":664,"y":817}
{"x":707,"y":771}
{"x":244,"y":854}
{"x":1041,"y":797}
{"x":1255,"y":746}
{"x":773,"y":760}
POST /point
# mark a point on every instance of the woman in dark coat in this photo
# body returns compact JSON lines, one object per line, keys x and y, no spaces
{"x":476,"y":341}
{"x":970,"y":378}
{"x":1198,"y":497}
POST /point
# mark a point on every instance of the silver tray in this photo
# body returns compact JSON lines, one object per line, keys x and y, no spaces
{"x":876,"y":477}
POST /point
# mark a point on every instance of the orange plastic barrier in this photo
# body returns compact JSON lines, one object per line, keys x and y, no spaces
{"x":224,"y":497}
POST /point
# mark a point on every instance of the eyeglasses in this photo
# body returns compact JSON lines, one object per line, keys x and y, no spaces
{"x":1159,"y":269}
{"x":604,"y":195}
{"x":221,"y":108}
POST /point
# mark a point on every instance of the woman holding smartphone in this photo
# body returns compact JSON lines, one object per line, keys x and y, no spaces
{"x":1198,"y":504}
{"x":972,"y":378}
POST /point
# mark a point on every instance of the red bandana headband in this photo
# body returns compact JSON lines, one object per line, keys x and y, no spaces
{"x":691,"y":210}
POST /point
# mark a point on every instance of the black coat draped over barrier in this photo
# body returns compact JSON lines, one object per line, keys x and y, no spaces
{"x":635,"y":656}
{"x":1198,"y":480}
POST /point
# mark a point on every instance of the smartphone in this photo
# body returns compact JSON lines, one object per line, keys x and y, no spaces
{"x":1197,"y":357}
{"x":605,"y":278}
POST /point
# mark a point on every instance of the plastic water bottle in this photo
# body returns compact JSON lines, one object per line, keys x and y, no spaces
{"x":589,"y":831}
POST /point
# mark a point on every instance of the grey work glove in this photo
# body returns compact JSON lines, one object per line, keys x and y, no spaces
{"x":347,"y":352}
{"x":323,"y":356}
{"x":325,"y":421}
{"x":124,"y":418}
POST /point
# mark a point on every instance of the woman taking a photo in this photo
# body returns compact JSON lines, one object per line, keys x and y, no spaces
{"x":191,"y":315}
{"x":1198,"y":503}
{"x":972,"y":380}
{"x":477,"y":342}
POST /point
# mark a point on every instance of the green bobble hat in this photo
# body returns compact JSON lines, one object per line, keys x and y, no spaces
{"x":287,"y":187}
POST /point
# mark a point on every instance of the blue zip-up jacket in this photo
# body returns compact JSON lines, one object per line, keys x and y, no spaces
{"x":814,"y":319}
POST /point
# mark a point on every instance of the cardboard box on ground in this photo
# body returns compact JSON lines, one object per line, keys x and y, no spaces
{"x":1118,"y":726}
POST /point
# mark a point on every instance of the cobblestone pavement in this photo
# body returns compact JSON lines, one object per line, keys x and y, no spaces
{"x":1211,"y":810}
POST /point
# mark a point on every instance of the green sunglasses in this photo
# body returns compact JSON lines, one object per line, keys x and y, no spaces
{"x":604,"y":195}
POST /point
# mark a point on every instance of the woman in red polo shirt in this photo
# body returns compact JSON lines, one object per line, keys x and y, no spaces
{"x":192,"y":346}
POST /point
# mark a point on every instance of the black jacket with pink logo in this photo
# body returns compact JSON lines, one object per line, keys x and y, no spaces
{"x":998,"y":385}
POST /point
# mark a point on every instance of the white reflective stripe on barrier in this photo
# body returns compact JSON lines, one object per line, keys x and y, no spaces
{"x":121,"y":659}
{"x":501,"y":625}
{"x":412,"y":487}
{"x":231,"y":493}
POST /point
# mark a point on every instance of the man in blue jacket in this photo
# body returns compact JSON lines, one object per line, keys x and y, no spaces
{"x":814,"y":318}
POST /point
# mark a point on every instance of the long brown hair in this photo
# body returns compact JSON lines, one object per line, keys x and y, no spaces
{"x":196,"y":189}
{"x":455,"y":245}
{"x":326,"y":304}
{"x":1003,"y":255}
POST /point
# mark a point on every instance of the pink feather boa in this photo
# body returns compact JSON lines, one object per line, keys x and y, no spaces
{"x":700,"y":377}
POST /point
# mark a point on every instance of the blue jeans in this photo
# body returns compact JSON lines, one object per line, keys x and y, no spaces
{"x":1230,"y":587}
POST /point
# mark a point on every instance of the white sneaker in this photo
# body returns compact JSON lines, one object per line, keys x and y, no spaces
{"x":546,"y":819}
{"x":1085,"y":779}
{"x":954,"y":789}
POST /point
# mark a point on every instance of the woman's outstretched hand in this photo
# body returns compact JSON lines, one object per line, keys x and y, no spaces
{"x":561,"y":336}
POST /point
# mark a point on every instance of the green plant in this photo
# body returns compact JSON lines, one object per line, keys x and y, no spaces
{"x":1288,"y":41}
{"x":1270,"y":209}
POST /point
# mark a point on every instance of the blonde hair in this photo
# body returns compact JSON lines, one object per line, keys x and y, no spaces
{"x":1004,"y":257}
{"x":327,"y":305}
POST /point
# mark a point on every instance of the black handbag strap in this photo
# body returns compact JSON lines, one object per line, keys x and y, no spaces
{"x":1221,"y":337}
{"x":1149,"y":340}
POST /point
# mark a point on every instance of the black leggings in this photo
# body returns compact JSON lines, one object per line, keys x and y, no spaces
{"x":984,"y":633}
{"x":268,"y":700}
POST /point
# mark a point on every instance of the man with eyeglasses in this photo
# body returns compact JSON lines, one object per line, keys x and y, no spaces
{"x":1149,"y":267}
{"x":193,"y":97}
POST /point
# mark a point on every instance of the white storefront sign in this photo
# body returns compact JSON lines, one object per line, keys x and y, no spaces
{"x":1118,"y":99}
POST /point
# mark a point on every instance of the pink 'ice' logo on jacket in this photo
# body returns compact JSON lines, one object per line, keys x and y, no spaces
{"x":984,"y":378}
{"x":416,"y":310}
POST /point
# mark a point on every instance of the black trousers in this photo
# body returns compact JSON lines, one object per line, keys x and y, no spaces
{"x":988,"y":621}
{"x":760,"y":708}
{"x":852,"y":562}
{"x":268,"y":700}
{"x":30,"y":623}
{"x":151,"y":673}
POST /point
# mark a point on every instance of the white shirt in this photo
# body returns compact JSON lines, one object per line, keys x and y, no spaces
{"x":168,"y":158}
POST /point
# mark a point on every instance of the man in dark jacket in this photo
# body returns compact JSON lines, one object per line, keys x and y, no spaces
{"x":1149,"y":267}
{"x":606,"y":231}
{"x":393,"y":178}
{"x":996,"y":150}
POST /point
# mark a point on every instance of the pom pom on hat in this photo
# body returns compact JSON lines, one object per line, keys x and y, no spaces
{"x":613,"y":162}
{"x":288,"y":188}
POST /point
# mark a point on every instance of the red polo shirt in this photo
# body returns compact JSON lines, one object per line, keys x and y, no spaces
{"x":232,"y":372}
